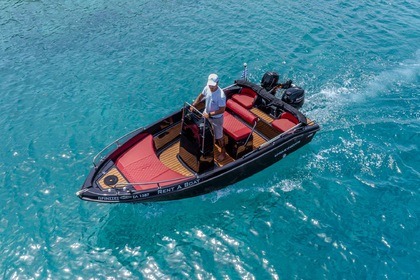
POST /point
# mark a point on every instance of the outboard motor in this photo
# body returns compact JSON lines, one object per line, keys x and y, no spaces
{"x":269,"y":81}
{"x":294,"y":96}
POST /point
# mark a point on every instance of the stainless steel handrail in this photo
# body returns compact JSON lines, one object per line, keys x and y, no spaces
{"x":116,"y":142}
{"x":195,"y":109}
{"x":278,"y":136}
{"x":205,"y":120}
{"x":252,"y":131}
{"x":120,"y":185}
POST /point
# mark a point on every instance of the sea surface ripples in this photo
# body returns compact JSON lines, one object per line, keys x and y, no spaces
{"x":74,"y":76}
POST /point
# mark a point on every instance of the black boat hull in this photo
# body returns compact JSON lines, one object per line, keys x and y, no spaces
{"x":211,"y":181}
{"x":277,"y":142}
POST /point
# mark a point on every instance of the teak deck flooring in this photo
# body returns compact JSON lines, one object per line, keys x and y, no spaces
{"x":262,"y":115}
{"x":112,"y":171}
{"x":169,"y":156}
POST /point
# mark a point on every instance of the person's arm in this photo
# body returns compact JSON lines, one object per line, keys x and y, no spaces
{"x":221,"y":110}
{"x":198,"y":99}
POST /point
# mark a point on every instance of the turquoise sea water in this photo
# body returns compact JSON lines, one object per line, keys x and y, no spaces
{"x":75,"y":75}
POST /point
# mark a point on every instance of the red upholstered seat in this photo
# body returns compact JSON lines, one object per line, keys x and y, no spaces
{"x":234,"y":128}
{"x":290,"y":117}
{"x":286,"y":122}
{"x":140,"y":164}
{"x":241,"y":112}
{"x":245,"y":97}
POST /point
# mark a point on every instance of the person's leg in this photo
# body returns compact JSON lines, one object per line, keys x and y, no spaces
{"x":218,"y":135}
{"x":221,"y":144}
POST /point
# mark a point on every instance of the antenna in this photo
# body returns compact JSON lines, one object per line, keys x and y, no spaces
{"x":245,"y":72}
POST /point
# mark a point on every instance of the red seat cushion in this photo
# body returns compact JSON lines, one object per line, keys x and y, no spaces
{"x":290,"y":117}
{"x":140,"y":164}
{"x":245,"y":97}
{"x":282,"y":124}
{"x":241,"y":111}
{"x":234,"y":128}
{"x":248,"y":91}
{"x":286,"y":122}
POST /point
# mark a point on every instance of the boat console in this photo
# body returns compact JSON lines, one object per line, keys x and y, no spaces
{"x":196,"y":147}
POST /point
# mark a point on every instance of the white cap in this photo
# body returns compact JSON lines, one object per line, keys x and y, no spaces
{"x":213,"y":80}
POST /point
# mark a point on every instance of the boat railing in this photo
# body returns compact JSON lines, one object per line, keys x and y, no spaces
{"x":189,"y":106}
{"x":114,"y":145}
{"x":279,"y":136}
{"x":158,"y":183}
{"x":186,"y":104}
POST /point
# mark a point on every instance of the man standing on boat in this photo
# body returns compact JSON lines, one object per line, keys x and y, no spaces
{"x":215,"y":107}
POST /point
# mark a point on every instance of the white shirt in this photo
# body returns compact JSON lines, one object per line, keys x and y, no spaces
{"x":214,"y":100}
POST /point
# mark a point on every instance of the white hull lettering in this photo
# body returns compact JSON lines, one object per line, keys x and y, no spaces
{"x":191,"y":183}
{"x":108,"y":198}
{"x":166,"y":190}
{"x":288,"y":148}
{"x":141,"y":195}
{"x":179,"y":187}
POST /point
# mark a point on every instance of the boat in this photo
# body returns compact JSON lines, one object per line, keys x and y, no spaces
{"x":176,"y":156}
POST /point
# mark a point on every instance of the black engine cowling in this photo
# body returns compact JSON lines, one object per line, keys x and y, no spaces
{"x":270,"y":80}
{"x":294,"y":96}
